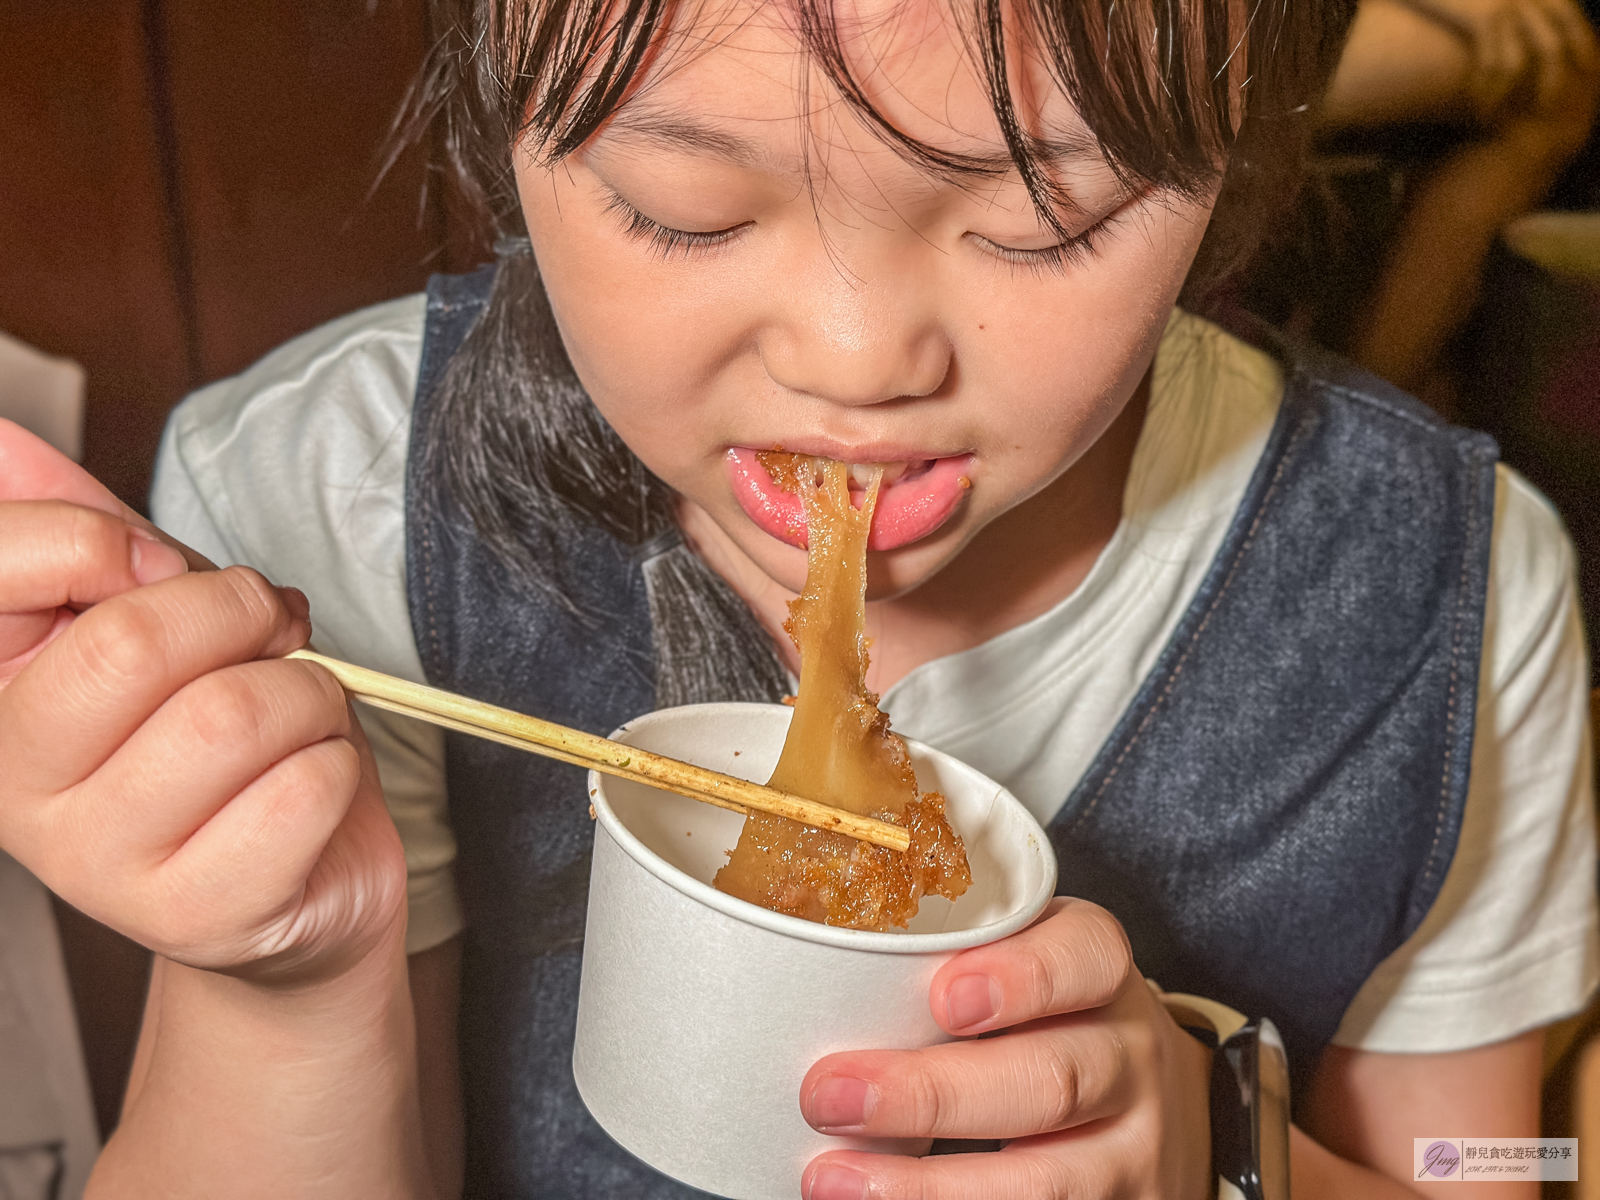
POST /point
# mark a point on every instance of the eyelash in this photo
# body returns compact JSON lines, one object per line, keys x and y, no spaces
{"x":663,"y":241}
{"x":1069,"y":252}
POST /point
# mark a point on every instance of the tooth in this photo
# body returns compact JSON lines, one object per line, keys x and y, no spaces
{"x":861,"y":473}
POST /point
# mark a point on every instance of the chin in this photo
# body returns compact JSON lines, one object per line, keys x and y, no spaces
{"x":894,"y":573}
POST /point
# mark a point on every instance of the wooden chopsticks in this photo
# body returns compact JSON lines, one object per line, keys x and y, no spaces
{"x":601,"y":754}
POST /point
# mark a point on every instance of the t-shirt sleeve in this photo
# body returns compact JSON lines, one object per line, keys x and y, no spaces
{"x":297,"y":468}
{"x":1511,"y":943}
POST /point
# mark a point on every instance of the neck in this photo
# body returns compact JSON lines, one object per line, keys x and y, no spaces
{"x":1019,"y":566}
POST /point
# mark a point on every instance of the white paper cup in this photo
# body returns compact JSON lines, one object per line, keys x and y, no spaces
{"x":699,"y":1014}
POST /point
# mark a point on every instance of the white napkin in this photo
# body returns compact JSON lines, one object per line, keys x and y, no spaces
{"x":43,"y":394}
{"x":48,"y":1141}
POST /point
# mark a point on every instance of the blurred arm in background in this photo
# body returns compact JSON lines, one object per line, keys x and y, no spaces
{"x":1523,"y":77}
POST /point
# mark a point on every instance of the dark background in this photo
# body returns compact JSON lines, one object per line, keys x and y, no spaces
{"x":187,"y":184}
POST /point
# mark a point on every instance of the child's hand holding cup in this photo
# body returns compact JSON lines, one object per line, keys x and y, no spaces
{"x":1093,"y":1088}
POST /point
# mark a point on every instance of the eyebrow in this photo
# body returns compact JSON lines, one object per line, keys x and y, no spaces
{"x":697,"y":137}
{"x":675,"y":133}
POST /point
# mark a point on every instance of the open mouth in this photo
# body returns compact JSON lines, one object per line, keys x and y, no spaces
{"x":916,"y":497}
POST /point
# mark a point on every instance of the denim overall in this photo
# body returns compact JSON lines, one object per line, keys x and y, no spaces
{"x":1273,"y":815}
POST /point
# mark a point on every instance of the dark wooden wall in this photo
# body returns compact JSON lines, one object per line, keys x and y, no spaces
{"x":183,"y":185}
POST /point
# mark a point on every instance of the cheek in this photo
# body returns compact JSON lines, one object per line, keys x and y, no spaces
{"x":607,"y":337}
{"x":1066,"y":355}
{"x":623,"y":328}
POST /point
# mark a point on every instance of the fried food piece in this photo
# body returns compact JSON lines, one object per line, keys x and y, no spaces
{"x":839,"y":749}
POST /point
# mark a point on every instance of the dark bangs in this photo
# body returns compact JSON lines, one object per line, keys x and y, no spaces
{"x":1175,"y":91}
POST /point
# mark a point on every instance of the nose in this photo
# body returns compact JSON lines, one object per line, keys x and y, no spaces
{"x":855,"y":341}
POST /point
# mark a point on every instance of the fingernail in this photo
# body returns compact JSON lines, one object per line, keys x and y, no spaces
{"x":970,"y":1000}
{"x":840,"y":1102}
{"x":296,"y":602}
{"x":153,"y":561}
{"x":837,"y":1183}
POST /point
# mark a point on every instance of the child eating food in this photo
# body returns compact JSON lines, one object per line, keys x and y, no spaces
{"x":1290,"y":671}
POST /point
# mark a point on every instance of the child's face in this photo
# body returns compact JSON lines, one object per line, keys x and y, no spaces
{"x":737,"y":263}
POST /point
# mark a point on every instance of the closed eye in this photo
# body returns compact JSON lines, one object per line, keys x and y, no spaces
{"x":664,"y":241}
{"x":1070,"y":251}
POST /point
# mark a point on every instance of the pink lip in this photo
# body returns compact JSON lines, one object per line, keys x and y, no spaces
{"x":910,"y":508}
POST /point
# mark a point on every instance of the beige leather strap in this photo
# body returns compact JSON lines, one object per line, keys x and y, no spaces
{"x":1197,"y":1010}
{"x":1224,"y":1022}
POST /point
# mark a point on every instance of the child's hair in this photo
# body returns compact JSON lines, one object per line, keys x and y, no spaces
{"x":1173,"y":89}
{"x":1178,"y":92}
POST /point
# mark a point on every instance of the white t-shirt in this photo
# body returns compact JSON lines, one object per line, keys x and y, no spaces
{"x":297,"y":467}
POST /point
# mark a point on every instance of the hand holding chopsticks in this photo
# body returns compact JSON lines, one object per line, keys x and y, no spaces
{"x":601,"y":754}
